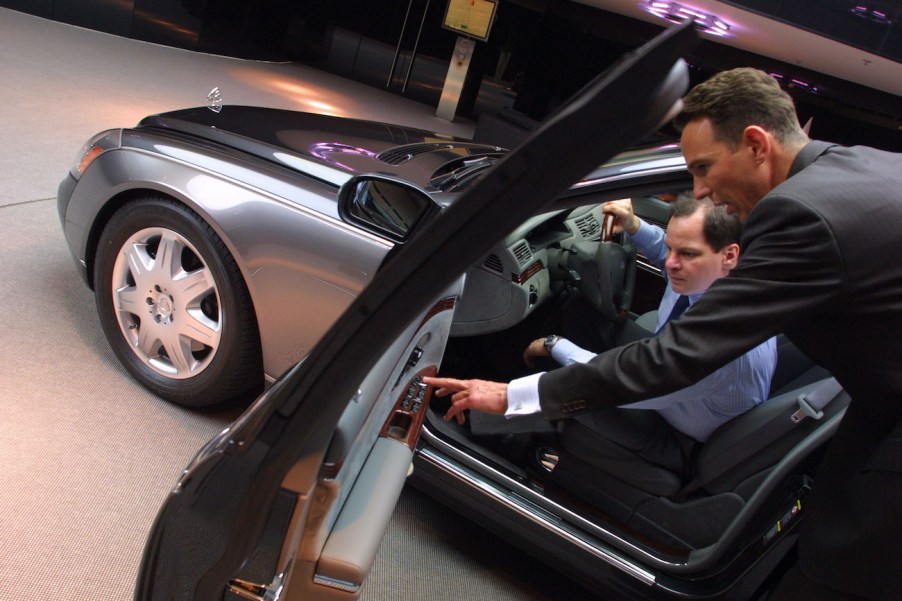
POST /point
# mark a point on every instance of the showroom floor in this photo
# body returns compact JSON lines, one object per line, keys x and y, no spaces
{"x":86,"y":455}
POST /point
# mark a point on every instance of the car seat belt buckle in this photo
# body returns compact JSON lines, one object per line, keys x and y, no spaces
{"x":805,"y":410}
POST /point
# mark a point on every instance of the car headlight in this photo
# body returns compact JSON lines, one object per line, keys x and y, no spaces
{"x":93,"y":148}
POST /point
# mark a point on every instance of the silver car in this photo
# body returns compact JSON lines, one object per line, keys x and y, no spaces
{"x":222,"y":245}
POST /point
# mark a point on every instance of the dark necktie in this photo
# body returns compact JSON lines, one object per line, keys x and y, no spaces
{"x":679,"y":306}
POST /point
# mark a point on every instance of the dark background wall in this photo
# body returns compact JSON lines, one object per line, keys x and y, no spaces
{"x":538,"y":54}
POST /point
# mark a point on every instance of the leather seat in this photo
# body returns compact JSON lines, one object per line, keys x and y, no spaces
{"x":729,"y":468}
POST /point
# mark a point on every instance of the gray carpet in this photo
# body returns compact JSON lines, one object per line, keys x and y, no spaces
{"x":86,"y":455}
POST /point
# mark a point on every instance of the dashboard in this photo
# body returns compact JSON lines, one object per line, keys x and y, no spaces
{"x":526,"y":269}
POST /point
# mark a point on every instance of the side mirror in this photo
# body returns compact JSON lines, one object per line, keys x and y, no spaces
{"x":382,"y":205}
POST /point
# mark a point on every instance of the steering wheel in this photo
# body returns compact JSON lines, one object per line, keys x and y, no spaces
{"x":607,"y":272}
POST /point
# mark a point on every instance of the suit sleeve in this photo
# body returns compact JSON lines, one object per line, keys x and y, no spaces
{"x":790,"y":266}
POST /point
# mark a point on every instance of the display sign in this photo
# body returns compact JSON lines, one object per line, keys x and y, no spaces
{"x":472,"y":18}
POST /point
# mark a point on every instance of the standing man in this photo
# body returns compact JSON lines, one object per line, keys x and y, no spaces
{"x":820,"y":221}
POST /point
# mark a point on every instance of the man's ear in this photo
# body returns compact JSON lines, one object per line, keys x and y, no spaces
{"x":730,"y":254}
{"x":758,"y":142}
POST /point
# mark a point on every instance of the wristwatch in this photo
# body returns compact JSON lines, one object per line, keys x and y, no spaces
{"x":550,"y":341}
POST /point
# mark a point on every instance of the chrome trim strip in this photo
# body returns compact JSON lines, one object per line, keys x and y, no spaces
{"x":341,"y":585}
{"x":532,"y":512}
{"x":252,"y":591}
{"x":654,"y":164}
{"x":627,"y":175}
{"x":646,"y":266}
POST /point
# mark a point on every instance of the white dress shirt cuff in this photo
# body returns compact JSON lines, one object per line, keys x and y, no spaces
{"x":565,"y":353}
{"x":523,"y":396}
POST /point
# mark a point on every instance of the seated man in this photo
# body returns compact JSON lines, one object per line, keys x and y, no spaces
{"x":701,"y":244}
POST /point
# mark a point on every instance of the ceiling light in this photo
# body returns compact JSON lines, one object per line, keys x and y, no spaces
{"x":866,"y":12}
{"x":677,"y":13}
{"x":794,"y":82}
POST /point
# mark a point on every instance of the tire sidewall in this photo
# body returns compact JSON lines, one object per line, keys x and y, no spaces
{"x":217,"y":382}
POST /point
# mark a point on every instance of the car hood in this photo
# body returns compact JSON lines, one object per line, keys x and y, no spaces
{"x":351,"y":146}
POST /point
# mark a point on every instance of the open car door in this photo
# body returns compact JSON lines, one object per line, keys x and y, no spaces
{"x":291,"y":501}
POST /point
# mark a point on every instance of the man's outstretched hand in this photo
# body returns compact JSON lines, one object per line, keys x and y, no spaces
{"x":479,"y":395}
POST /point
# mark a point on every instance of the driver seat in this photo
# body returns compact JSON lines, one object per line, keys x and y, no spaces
{"x":727,"y":468}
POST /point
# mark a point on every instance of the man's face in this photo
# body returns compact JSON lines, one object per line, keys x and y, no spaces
{"x":731,"y":177}
{"x":692,"y":264}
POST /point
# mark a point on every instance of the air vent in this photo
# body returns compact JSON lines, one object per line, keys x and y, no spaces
{"x":588,"y":226}
{"x":522,"y":253}
{"x":402,"y":154}
{"x":493,"y":262}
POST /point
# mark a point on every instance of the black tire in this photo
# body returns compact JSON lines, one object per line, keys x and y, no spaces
{"x":182,"y":324}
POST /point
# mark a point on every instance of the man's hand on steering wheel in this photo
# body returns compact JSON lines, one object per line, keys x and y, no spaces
{"x":624,"y":218}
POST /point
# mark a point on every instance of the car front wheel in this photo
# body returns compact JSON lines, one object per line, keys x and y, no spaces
{"x":174,"y":306}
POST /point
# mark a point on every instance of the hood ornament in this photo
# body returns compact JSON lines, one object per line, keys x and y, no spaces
{"x":215,"y":100}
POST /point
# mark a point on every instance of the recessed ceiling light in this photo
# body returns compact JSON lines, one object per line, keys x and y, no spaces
{"x":677,"y":13}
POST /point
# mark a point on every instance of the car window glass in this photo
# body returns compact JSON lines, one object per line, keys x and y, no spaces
{"x":655,"y":209}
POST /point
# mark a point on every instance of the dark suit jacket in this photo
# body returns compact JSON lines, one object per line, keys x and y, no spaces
{"x":820,"y":262}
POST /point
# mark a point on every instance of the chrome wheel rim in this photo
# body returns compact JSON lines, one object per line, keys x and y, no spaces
{"x":167,"y":303}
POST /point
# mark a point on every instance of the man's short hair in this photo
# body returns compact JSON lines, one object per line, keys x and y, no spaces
{"x":735,"y":99}
{"x":719,"y":228}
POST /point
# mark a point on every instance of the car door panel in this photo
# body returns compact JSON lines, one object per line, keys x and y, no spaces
{"x":350,"y":550}
{"x":333,"y":537}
